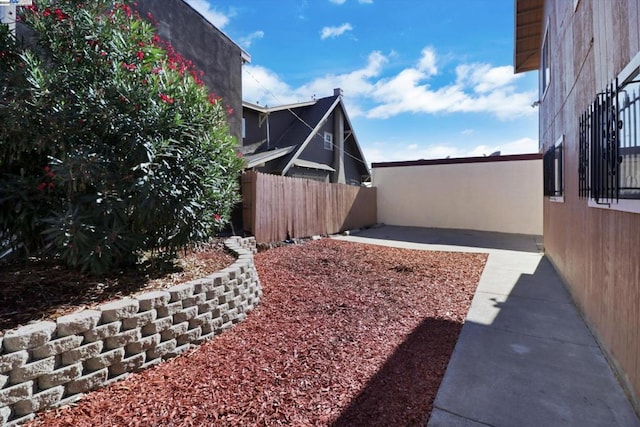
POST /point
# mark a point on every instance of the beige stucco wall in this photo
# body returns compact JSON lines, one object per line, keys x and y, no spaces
{"x":503,"y":196}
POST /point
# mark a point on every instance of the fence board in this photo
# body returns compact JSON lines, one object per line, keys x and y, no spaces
{"x":276,"y":208}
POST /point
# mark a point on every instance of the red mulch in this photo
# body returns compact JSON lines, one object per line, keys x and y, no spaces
{"x":346,"y":335}
{"x":40,"y":289}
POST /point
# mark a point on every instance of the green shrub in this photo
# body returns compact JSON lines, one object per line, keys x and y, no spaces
{"x":110,"y":143}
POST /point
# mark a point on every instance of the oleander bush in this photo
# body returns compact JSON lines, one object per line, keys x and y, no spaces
{"x":110,"y":144}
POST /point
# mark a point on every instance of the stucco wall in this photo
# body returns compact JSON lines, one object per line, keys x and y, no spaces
{"x":502,"y":196}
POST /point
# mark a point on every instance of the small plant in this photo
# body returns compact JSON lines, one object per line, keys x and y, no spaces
{"x":110,"y":145}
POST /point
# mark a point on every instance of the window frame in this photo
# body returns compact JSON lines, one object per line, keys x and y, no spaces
{"x":631,"y":72}
{"x":554,"y":164}
{"x":328,"y":141}
{"x":545,"y":64}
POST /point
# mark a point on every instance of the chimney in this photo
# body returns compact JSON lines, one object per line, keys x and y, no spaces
{"x":337,"y":92}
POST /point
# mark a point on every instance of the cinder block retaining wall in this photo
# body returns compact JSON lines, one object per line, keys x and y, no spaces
{"x":49,"y":364}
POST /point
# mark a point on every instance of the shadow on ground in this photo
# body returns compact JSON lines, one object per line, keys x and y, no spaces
{"x":402,"y":392}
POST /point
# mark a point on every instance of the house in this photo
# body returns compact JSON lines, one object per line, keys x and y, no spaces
{"x":313,"y":140}
{"x":211,"y":51}
{"x":587,"y":54}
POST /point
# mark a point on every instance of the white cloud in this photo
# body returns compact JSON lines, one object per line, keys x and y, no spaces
{"x":382,"y":152}
{"x":483,"y":78}
{"x":246,"y":41}
{"x":365,"y":1}
{"x":338,"y":1}
{"x":217,"y":18}
{"x":427,"y":63}
{"x":332,"y":32}
{"x":476,"y":88}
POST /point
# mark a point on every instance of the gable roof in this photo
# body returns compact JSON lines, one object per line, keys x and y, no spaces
{"x":527,"y":34}
{"x":308,"y":119}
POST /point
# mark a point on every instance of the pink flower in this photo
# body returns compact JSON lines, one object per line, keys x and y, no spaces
{"x":217,"y":217}
{"x":130,"y":67}
{"x":166,"y":98}
{"x":140,"y":55}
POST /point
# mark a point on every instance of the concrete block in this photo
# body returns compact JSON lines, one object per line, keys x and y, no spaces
{"x":162,"y":349}
{"x":150,"y":363}
{"x":185,"y":314}
{"x":190,"y":336}
{"x":230,"y":316}
{"x":199,"y":320}
{"x":226,"y":297}
{"x":208,"y":306}
{"x":16,"y":393}
{"x":220,"y":311}
{"x":202,"y":285}
{"x":118,"y":310}
{"x":103,"y":332}
{"x":215,"y":325}
{"x":129,"y":364}
{"x":180,"y":292}
{"x":82,"y":353}
{"x":219,"y":278}
{"x":69,"y":400}
{"x":60,"y":376}
{"x":122,"y":339}
{"x":57,"y":346}
{"x":87,"y":382}
{"x":178,"y":351}
{"x":194,"y":300}
{"x":4,"y":379}
{"x":77,"y":323}
{"x":241,"y":318}
{"x":174,"y":331}
{"x":5,"y":413}
{"x":204,"y":338}
{"x":139,"y":320}
{"x":233,"y":272}
{"x":13,"y":360}
{"x":143,"y":344}
{"x":105,"y":359}
{"x":28,"y":337}
{"x":226,"y":326}
{"x":216,"y":292}
{"x":169,"y":309}
{"x":151,"y":300}
{"x":43,"y":400}
{"x":32,"y":370}
{"x":19,"y":421}
{"x":157,"y":326}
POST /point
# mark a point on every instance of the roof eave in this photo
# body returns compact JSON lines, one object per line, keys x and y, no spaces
{"x":528,"y":17}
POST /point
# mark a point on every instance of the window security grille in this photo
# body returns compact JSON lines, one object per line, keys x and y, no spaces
{"x":553,"y":171}
{"x":609,"y":145}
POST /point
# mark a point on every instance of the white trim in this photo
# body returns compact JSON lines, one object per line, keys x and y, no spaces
{"x":545,"y":40}
{"x":623,"y":205}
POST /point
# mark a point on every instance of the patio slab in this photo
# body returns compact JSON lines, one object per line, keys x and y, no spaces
{"x":525,"y":356}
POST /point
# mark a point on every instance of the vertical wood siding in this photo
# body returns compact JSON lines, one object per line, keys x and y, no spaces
{"x":276,"y":208}
{"x":597,"y":251}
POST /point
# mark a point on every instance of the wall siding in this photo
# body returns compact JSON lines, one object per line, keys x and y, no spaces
{"x":595,"y":250}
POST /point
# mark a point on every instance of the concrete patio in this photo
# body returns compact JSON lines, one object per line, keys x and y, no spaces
{"x":525,"y":356}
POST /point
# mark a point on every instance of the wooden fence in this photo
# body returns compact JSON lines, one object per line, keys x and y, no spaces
{"x":276,"y":208}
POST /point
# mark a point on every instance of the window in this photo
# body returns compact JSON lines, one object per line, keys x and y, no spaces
{"x":328,"y":141}
{"x":553,"y":172}
{"x":545,"y":66}
{"x":609,"y":157}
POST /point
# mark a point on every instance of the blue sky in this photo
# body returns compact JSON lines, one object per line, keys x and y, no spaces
{"x":422,"y":79}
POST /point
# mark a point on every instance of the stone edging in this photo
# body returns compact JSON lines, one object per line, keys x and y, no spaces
{"x":49,"y":364}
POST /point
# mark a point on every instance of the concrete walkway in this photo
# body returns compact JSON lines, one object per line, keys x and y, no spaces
{"x":525,"y":356}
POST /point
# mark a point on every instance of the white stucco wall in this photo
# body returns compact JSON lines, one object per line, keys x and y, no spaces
{"x":503,"y":196}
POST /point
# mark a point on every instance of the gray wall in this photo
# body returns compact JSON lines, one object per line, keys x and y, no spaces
{"x":211,"y":51}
